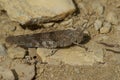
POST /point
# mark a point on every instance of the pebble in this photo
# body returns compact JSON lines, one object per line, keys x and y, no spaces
{"x":112,"y":18}
{"x":106,"y":28}
{"x":3,"y":51}
{"x":6,"y":74}
{"x":16,"y":52}
{"x":98,"y":24}
{"x":24,"y":11}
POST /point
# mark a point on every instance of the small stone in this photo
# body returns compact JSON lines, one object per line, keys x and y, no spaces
{"x":2,"y":50}
{"x":83,"y":7}
{"x":32,"y":52}
{"x":16,"y":52}
{"x":98,"y":7}
{"x":112,"y":18}
{"x":97,"y":50}
{"x":106,"y":28}
{"x":72,"y":56}
{"x":47,"y":25}
{"x":6,"y":74}
{"x":24,"y":11}
{"x":24,"y":71}
{"x":67,"y":23}
{"x":98,"y":24}
{"x":43,"y":53}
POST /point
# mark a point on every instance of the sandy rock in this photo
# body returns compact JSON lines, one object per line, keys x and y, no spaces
{"x":2,"y":50}
{"x":67,"y":23}
{"x":83,"y":7}
{"x":98,"y":24}
{"x":33,"y":54}
{"x":97,"y":50}
{"x":73,"y":56}
{"x":6,"y":74}
{"x":24,"y":11}
{"x":106,"y":28}
{"x":98,"y":7}
{"x":112,"y":18}
{"x":43,"y":53}
{"x":17,"y":52}
{"x":48,"y":25}
{"x":24,"y":71}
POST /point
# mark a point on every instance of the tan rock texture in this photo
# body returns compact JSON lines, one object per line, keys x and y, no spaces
{"x":24,"y":10}
{"x":72,"y":56}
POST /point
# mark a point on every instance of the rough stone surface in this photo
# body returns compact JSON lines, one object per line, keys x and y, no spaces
{"x":43,"y":53}
{"x":47,"y":25}
{"x":98,"y":7}
{"x":112,"y":18}
{"x":97,"y":50}
{"x":6,"y":74}
{"x":2,"y":50}
{"x":23,"y":11}
{"x":106,"y":28}
{"x":16,"y":52}
{"x":98,"y":24}
{"x":24,"y":71}
{"x":67,"y":23}
{"x":73,"y":56}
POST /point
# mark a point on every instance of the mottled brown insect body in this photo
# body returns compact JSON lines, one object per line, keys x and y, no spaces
{"x":55,"y":39}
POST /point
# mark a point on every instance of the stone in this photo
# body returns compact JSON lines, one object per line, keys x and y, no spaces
{"x":83,"y":7}
{"x":112,"y":18}
{"x":97,"y":49}
{"x":24,"y":11}
{"x":6,"y":74}
{"x":106,"y":28}
{"x":33,"y":54}
{"x":67,"y":23}
{"x":16,"y":52}
{"x":47,"y":25}
{"x":24,"y":71}
{"x":43,"y":53}
{"x":3,"y":51}
{"x":72,"y":56}
{"x":98,"y":7}
{"x":98,"y":24}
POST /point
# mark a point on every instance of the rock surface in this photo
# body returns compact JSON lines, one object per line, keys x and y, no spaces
{"x":106,"y":28}
{"x":98,"y":24}
{"x":2,"y":50}
{"x":16,"y":52}
{"x":112,"y":18}
{"x":73,"y":56}
{"x":6,"y":74}
{"x":98,"y":7}
{"x":24,"y":11}
{"x":24,"y":71}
